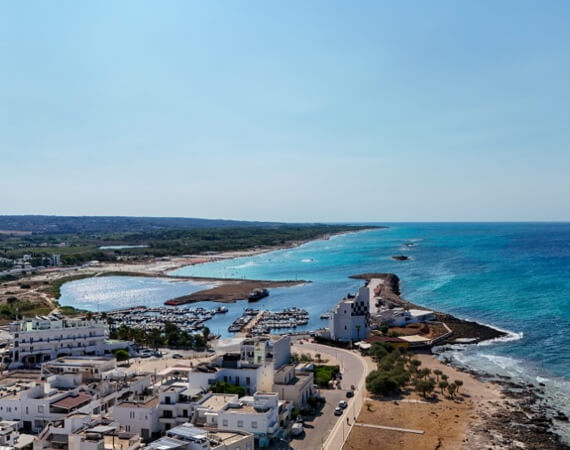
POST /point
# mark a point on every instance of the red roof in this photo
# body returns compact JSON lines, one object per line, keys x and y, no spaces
{"x":72,"y":401}
{"x":373,"y":339}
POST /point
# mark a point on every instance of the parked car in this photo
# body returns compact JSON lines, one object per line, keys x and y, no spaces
{"x":338,"y":411}
{"x":300,"y":419}
{"x":342,"y":404}
{"x":297,"y":429}
{"x":349,"y":394}
{"x":177,"y":356}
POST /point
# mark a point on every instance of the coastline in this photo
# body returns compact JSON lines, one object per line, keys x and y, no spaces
{"x":45,"y":285}
{"x":505,"y":412}
{"x":469,"y":331}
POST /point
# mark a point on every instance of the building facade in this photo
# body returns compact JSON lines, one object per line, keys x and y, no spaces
{"x":348,"y":321}
{"x":43,"y":339}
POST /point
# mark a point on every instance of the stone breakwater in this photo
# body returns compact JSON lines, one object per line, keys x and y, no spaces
{"x":462,"y":329}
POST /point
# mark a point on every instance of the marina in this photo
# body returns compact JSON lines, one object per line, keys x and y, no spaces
{"x":287,"y":319}
{"x":149,"y":318}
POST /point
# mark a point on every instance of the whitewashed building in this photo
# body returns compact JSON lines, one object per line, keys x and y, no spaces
{"x":43,"y":339}
{"x":139,"y":416}
{"x":400,"y":317}
{"x":189,"y":437}
{"x":348,"y":321}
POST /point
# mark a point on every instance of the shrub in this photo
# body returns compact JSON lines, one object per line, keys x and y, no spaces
{"x":323,"y":374}
{"x":221,"y":387}
{"x":122,"y":355}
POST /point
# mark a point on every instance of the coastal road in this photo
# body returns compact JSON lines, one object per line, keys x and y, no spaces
{"x":354,"y":369}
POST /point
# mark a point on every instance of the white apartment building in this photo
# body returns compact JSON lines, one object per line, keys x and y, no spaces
{"x":253,"y":368}
{"x":36,"y":404}
{"x":348,"y":321}
{"x":258,"y":415}
{"x":230,"y":369}
{"x":274,"y":350}
{"x":176,"y":403}
{"x":84,"y":432}
{"x":43,"y":339}
{"x":89,"y":368}
{"x":139,"y":416}
{"x":293,"y":384}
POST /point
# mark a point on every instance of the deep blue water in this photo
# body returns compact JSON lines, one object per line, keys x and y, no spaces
{"x":512,"y":276}
{"x":515,"y":276}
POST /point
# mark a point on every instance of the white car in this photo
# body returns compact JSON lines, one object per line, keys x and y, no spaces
{"x":297,"y":429}
{"x":338,"y":411}
{"x":342,"y":404}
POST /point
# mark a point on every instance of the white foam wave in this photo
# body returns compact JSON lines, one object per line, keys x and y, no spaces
{"x":510,"y":336}
{"x":243,"y":266}
{"x":307,"y":260}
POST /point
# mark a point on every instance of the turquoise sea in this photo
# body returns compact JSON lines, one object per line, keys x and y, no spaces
{"x":513,"y":276}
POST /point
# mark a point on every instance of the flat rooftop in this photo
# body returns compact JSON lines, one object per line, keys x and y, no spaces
{"x":147,"y":403}
{"x":217,"y":401}
{"x":226,"y":437}
{"x":87,"y":361}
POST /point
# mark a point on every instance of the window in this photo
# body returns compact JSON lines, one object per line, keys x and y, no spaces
{"x":225,"y":422}
{"x":240,"y":423}
{"x":254,"y":424}
{"x":237,"y":380}
{"x":132,"y":415}
{"x":247,"y":380}
{"x":40,"y":409}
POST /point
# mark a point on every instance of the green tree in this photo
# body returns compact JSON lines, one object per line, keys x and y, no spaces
{"x":458,"y":383}
{"x":443,"y":386}
{"x":206,"y":333}
{"x":425,"y":386}
{"x":415,"y":365}
{"x":438,"y":373}
{"x":122,"y":355}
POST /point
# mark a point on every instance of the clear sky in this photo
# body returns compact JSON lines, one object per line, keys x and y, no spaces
{"x":291,"y":110}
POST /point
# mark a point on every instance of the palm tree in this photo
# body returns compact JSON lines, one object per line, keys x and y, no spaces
{"x":451,"y":389}
{"x":442,"y":385}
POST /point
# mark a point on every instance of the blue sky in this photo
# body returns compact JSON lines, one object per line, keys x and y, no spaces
{"x":294,"y":111}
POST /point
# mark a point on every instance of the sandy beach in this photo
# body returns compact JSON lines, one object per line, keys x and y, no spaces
{"x":446,"y":422}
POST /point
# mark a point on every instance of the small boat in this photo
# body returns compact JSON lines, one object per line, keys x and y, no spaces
{"x":257,"y":294}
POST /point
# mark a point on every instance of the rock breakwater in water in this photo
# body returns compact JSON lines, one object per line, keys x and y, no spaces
{"x":463,"y":330}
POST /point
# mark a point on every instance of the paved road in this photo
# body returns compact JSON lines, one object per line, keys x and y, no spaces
{"x":353,"y":370}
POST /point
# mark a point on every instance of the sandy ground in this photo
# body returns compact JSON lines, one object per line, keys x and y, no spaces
{"x":445,"y":421}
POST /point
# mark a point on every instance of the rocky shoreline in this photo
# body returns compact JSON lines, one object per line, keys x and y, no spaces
{"x":524,"y":420}
{"x":463,"y":330}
